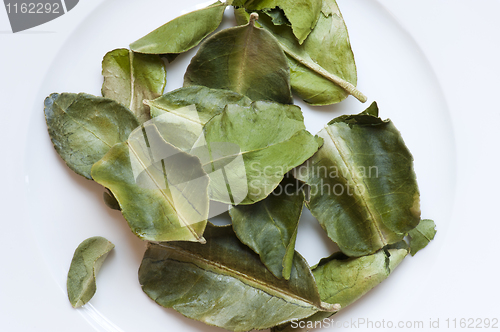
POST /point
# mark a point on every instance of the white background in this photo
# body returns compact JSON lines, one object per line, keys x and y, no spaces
{"x":461,"y":40}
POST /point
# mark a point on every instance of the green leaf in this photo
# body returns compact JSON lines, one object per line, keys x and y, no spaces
{"x":87,"y":261}
{"x":181,"y":114}
{"x":83,"y":127}
{"x":269,"y":138}
{"x":182,"y":33}
{"x":245,"y":59}
{"x":421,"y":235}
{"x":129,"y":78}
{"x":224,"y":283}
{"x":322,"y":69}
{"x":343,"y":280}
{"x":302,"y":14}
{"x":208,"y":102}
{"x":161,"y":190}
{"x":269,"y":227}
{"x":363,"y":188}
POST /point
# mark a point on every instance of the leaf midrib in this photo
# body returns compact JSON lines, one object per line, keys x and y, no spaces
{"x":246,"y":279}
{"x":132,"y":82}
{"x":146,"y":169}
{"x":373,"y":215}
{"x":152,"y":104}
{"x":241,"y":153}
{"x":243,"y":61}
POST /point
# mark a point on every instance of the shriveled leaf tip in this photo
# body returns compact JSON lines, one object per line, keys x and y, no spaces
{"x":253,"y":17}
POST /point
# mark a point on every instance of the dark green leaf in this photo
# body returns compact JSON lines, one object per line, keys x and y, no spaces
{"x":245,"y":59}
{"x":363,"y":188}
{"x":269,"y":227}
{"x":224,"y":283}
{"x":87,"y":261}
{"x":277,"y":16}
{"x":182,"y":33}
{"x":170,"y":57}
{"x":83,"y":128}
{"x":161,"y":190}
{"x":254,"y":147}
{"x":421,"y":235}
{"x":130,"y":77}
{"x":110,"y":200}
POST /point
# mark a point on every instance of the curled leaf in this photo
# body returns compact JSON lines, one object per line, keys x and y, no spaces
{"x":269,"y":227}
{"x":244,"y":59}
{"x":87,"y":261}
{"x":83,"y":127}
{"x":224,"y":283}
{"x":302,"y":14}
{"x":161,"y":190}
{"x":421,"y":235}
{"x":182,"y":33}
{"x":363,"y":188}
{"x":129,"y":78}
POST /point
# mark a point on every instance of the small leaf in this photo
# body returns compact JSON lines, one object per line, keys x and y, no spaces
{"x":161,"y":190}
{"x":271,"y":140}
{"x":181,"y":114}
{"x":129,"y":78}
{"x":421,"y":235}
{"x":223,"y":283}
{"x":302,"y":14}
{"x":322,"y":69}
{"x":182,"y":33}
{"x":87,"y":261}
{"x":110,"y":200}
{"x":277,"y":16}
{"x":245,"y":59}
{"x":343,"y":280}
{"x":363,"y":188}
{"x":83,"y":127}
{"x":269,"y":227}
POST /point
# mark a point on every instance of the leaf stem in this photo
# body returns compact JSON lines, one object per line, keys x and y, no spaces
{"x":348,"y":87}
{"x":330,"y":307}
{"x":253,"y":17}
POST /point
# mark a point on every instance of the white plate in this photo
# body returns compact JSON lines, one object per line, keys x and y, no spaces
{"x":65,"y":209}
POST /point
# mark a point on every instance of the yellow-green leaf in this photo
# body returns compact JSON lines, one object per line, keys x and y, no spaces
{"x":130,"y":77}
{"x":182,"y":33}
{"x":161,"y":190}
{"x":87,"y":261}
{"x":421,"y":235}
